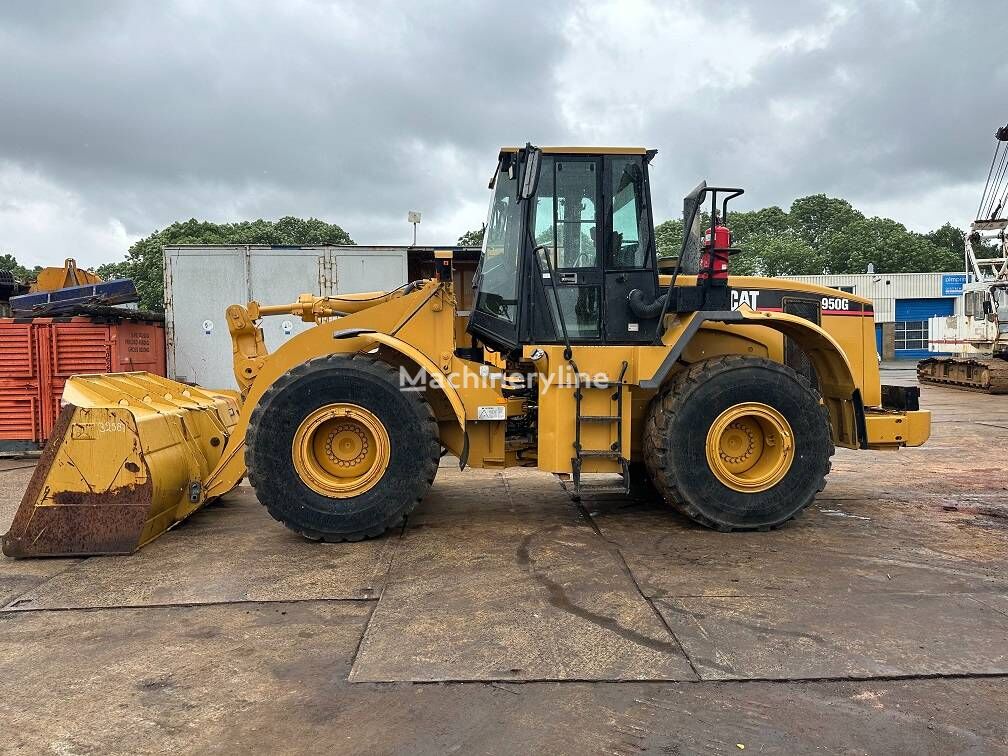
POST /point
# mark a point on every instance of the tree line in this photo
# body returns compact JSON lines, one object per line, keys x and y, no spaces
{"x":817,"y":234}
{"x":820,"y":235}
{"x":144,"y":261}
{"x":9,"y":263}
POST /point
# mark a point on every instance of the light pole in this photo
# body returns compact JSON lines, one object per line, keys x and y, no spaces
{"x":413,"y":216}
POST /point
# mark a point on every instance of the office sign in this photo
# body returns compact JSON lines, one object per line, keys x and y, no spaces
{"x":952,"y":284}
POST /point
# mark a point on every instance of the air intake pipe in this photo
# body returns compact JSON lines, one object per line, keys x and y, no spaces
{"x":645,"y":310}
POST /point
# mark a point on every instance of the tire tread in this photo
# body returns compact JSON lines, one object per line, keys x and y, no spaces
{"x":670,"y":401}
{"x":381,"y":370}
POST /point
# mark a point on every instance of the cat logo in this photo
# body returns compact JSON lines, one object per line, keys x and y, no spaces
{"x":744,"y":297}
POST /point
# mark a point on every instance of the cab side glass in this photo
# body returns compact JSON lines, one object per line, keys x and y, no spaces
{"x":627,"y":248}
{"x":498,"y":281}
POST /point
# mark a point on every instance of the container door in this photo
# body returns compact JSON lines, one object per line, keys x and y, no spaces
{"x":19,"y":384}
{"x":200,"y":283}
{"x":73,"y":348}
{"x":279,"y":275}
{"x":137,"y":346}
{"x":375,"y":269}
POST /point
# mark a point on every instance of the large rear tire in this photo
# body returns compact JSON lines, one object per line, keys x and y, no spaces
{"x":337,"y":452}
{"x":738,"y":443}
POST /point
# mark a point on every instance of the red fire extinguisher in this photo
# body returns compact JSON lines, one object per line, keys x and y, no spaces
{"x":714,"y":258}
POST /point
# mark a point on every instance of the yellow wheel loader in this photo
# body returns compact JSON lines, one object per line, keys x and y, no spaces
{"x":725,"y":394}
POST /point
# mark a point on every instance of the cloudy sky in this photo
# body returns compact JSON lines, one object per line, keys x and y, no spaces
{"x":118,"y":118}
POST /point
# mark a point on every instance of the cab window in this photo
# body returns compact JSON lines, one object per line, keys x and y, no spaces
{"x":565,"y":212}
{"x":627,"y":214}
{"x":498,"y":282}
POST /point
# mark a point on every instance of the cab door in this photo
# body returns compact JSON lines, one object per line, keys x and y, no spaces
{"x":629,"y":249}
{"x":567,"y":225}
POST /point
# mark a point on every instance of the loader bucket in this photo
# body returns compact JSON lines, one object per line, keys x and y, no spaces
{"x":128,"y":459}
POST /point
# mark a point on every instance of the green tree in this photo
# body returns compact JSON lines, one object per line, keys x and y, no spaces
{"x":886,"y":245}
{"x":144,"y":261}
{"x":770,"y":221}
{"x":777,"y":254}
{"x":821,"y":234}
{"x":472,"y":238}
{"x":668,"y":237}
{"x":19,"y":271}
{"x":818,"y":218}
{"x":951,"y":242}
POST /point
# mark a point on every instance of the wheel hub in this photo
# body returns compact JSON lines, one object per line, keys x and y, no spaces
{"x":341,"y":450}
{"x":347,"y":445}
{"x":750,"y":447}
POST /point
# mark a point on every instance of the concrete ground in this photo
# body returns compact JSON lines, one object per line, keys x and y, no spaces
{"x":503,"y":618}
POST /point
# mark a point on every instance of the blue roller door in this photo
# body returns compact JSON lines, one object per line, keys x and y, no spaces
{"x":912,"y":324}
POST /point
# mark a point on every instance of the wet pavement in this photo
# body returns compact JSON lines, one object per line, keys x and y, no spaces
{"x":505,"y":618}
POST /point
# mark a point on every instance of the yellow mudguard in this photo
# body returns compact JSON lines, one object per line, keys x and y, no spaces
{"x":128,"y":459}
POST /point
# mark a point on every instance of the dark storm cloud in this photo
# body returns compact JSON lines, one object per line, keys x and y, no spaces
{"x":341,"y":110}
{"x":140,"y":114}
{"x":899,"y":99}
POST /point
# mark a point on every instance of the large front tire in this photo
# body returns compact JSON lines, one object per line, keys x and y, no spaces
{"x":738,"y":443}
{"x":337,"y":452}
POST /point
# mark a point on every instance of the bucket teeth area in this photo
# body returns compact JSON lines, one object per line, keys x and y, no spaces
{"x":120,"y":466}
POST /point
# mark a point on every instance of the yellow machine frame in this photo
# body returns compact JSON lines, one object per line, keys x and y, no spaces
{"x":417,"y":330}
{"x":146,"y":452}
{"x":195,"y":439}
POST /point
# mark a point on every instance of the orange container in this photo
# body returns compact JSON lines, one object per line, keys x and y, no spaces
{"x":38,"y":355}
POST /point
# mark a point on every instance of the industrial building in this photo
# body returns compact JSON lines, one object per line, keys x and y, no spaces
{"x":903,"y":303}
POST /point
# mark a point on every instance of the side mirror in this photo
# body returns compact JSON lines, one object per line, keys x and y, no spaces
{"x":530,"y":178}
{"x":691,"y":211}
{"x":692,"y":201}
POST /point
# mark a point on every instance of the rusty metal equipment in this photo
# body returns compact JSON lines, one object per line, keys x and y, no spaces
{"x":725,"y":394}
{"x":9,"y":287}
{"x":130,"y":456}
{"x":51,"y":279}
{"x":38,"y":355}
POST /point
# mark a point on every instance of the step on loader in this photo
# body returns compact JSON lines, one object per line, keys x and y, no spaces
{"x":723,"y":395}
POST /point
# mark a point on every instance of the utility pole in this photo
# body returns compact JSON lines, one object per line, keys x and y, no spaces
{"x":413,"y":216}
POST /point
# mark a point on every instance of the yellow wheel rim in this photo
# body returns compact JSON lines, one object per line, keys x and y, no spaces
{"x":341,"y":450}
{"x":750,"y":447}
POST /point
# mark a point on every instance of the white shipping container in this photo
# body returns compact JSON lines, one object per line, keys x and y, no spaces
{"x":201,"y":281}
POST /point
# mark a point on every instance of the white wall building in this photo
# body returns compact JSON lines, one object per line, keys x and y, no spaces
{"x":903,"y":303}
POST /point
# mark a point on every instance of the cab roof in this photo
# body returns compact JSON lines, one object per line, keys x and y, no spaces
{"x":648,"y":154}
{"x":584,"y":150}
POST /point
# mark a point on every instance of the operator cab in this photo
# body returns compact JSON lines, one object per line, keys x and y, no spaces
{"x":568,"y":237}
{"x":569,"y":251}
